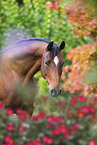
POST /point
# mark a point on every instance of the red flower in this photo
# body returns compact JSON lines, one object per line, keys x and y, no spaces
{"x":39,"y":116}
{"x":29,"y":143}
{"x":56,"y":7}
{"x":67,"y":134}
{"x":92,"y":102}
{"x":92,"y":109}
{"x":57,"y":118}
{"x":44,"y":97}
{"x":56,"y":131}
{"x":95,"y":99}
{"x":48,"y":140}
{"x":92,"y":142}
{"x":1,"y":106}
{"x":60,"y":104}
{"x":21,"y":129}
{"x":79,"y":107}
{"x":73,"y":102}
{"x":36,"y":142}
{"x":10,"y":127}
{"x":76,"y":126}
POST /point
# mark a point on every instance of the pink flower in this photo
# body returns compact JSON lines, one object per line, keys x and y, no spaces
{"x":66,"y":68}
{"x":63,"y":129}
{"x":22,"y":116}
{"x":1,"y":106}
{"x":49,"y":5}
{"x":48,"y":140}
{"x":9,"y":139}
{"x":86,"y":109}
{"x":19,"y":111}
{"x":9,"y":111}
{"x":92,"y":142}
{"x":73,"y":102}
{"x":21,"y":129}
{"x":10,"y":127}
{"x":82,"y":98}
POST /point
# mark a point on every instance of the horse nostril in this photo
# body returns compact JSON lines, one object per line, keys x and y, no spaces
{"x":53,"y":91}
{"x":60,"y":91}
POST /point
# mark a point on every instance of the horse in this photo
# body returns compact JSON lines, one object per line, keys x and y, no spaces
{"x":20,"y":62}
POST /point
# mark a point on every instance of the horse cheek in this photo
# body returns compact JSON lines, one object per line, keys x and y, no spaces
{"x":42,"y":69}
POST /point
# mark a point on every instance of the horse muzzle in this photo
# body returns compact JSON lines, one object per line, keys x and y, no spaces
{"x":55,"y":93}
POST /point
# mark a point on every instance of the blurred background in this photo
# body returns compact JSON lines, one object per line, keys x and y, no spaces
{"x":72,"y":116}
{"x":75,"y":22}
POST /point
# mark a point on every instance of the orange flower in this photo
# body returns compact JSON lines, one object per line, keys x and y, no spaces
{"x":80,"y":114}
{"x":70,"y":115}
{"x":92,"y":102}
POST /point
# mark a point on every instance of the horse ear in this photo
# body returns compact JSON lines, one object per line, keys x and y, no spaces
{"x":62,"y":45}
{"x":50,"y":45}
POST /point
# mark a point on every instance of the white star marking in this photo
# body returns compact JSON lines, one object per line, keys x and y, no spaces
{"x":56,"y":60}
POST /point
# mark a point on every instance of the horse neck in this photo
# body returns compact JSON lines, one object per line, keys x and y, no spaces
{"x":36,"y":51}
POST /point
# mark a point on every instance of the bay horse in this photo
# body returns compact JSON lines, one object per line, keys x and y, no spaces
{"x":18,"y":64}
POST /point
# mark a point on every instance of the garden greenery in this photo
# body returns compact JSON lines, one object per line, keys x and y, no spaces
{"x":67,"y":120}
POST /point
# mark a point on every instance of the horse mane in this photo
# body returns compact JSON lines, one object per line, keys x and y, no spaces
{"x":52,"y":53}
{"x":35,"y":38}
{"x":54,"y":50}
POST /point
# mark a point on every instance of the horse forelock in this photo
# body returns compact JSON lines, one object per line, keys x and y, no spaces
{"x":54,"y":51}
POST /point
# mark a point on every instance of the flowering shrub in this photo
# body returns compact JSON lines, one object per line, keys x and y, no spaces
{"x":76,"y":124}
{"x":82,"y":72}
{"x":81,"y":15}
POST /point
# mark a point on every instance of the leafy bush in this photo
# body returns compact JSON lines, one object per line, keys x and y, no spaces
{"x":35,"y":19}
{"x":76,"y":124}
{"x":81,"y":73}
{"x":81,"y":14}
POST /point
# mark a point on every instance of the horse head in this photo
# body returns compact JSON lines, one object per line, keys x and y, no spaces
{"x":51,"y":66}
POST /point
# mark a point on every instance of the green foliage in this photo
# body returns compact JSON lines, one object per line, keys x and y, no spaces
{"x":35,"y":20}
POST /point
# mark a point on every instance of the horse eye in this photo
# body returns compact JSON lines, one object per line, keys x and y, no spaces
{"x":47,"y":63}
